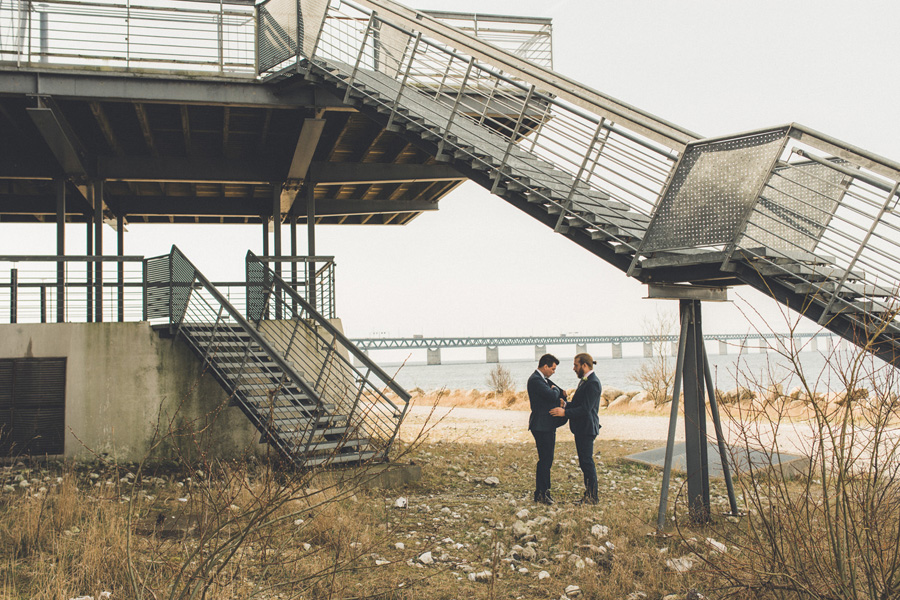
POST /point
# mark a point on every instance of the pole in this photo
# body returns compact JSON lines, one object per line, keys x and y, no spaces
{"x":60,"y":185}
{"x":311,"y":242}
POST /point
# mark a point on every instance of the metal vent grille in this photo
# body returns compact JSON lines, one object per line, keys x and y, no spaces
{"x":713,"y":190}
{"x":32,"y":406}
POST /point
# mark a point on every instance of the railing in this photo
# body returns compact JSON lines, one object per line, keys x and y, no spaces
{"x":182,"y":297}
{"x":317,"y":289}
{"x":801,"y":205}
{"x":42,"y":289}
{"x":181,"y":35}
{"x":615,"y":150}
{"x":324,"y":354}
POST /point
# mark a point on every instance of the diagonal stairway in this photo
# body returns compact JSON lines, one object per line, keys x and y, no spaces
{"x":806,"y":219}
{"x":306,"y":398}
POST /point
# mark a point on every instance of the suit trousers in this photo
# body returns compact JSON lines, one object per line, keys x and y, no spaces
{"x":546,"y":444}
{"x":584,"y":445}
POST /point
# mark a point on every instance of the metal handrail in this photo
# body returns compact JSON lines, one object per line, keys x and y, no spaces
{"x":247,"y":328}
{"x":333,"y":331}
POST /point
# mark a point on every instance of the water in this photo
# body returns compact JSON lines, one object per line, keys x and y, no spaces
{"x":613,"y":373}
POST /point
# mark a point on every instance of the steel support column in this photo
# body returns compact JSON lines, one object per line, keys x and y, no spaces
{"x":293,"y":218}
{"x":60,"y":184}
{"x":120,"y":270}
{"x":695,"y":415}
{"x":97,"y":193}
{"x":89,"y":268}
{"x":276,"y":228}
{"x":311,"y":241}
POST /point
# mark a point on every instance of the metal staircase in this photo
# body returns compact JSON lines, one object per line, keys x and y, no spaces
{"x":291,"y":376}
{"x":807,"y":219}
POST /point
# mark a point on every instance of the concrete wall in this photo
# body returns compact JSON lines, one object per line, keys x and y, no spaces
{"x":123,"y":383}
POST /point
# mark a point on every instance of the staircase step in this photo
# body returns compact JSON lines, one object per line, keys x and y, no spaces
{"x":848,"y":290}
{"x":808,"y":272}
{"x":349,"y":457}
{"x":325,"y":446}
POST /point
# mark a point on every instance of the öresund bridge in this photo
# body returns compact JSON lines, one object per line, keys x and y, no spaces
{"x":651,"y":344}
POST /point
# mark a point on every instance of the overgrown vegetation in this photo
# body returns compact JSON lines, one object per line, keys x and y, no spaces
{"x":656,"y":374}
{"x":500,"y":380}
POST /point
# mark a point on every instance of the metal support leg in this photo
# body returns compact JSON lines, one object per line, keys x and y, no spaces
{"x":60,"y":185}
{"x":89,"y":269}
{"x":120,"y":270}
{"x":311,"y":243}
{"x":98,"y":249}
{"x":294,"y":256}
{"x":720,"y":436}
{"x":276,"y":227}
{"x":695,"y":417}
{"x":673,"y":422}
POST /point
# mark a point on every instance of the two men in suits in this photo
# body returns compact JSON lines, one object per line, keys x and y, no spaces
{"x":544,"y":395}
{"x":584,"y":422}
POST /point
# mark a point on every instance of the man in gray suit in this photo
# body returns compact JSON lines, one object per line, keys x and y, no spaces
{"x":544,"y":395}
{"x":584,"y":421}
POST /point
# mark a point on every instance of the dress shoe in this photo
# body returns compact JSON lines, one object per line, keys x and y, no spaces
{"x":544,"y":498}
{"x":588,"y":499}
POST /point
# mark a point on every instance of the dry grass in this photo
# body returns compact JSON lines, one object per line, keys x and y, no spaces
{"x":73,"y":538}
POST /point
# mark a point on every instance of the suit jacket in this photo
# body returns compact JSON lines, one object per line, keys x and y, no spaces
{"x":582,"y":410}
{"x":542,"y":398}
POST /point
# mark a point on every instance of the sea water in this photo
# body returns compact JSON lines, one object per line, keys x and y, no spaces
{"x":749,"y":369}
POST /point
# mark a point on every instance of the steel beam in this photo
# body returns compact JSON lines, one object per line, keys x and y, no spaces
{"x":364,"y":173}
{"x":188,"y":169}
{"x":196,"y":90}
{"x":307,"y":140}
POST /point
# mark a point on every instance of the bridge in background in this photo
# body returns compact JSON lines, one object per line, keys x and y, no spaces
{"x":651,"y":343}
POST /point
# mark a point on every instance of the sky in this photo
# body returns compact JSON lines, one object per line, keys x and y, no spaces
{"x":480,"y":267}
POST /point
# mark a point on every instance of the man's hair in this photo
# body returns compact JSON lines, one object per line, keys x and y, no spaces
{"x":585,"y":359}
{"x":548,"y":360}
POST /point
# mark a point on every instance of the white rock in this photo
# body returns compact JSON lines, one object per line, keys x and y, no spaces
{"x":529,"y":553}
{"x":104,"y":595}
{"x":716,"y":546}
{"x":400,"y":546}
{"x":445,"y":510}
{"x":401,"y":502}
{"x":610,"y":545}
{"x":9,"y":488}
{"x":298,"y":521}
{"x":380,"y":562}
{"x":520,"y":529}
{"x":543,"y":575}
{"x":491,"y":481}
{"x":573,"y":591}
{"x":636,"y":596}
{"x":481,"y":576}
{"x":24,"y":483}
{"x":522,"y":514}
{"x":680,"y":565}
{"x":426,"y":559}
{"x":599,"y":531}
{"x":307,"y":546}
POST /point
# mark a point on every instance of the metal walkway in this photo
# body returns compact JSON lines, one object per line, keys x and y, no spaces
{"x":804,"y":218}
{"x":291,"y":376}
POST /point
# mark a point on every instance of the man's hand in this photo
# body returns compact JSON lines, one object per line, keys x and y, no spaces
{"x":558,"y":412}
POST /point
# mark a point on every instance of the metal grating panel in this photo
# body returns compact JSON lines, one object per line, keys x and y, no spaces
{"x":158,"y":287}
{"x":312,"y":18}
{"x":33,"y":406}
{"x":258,"y":284}
{"x":713,"y":189}
{"x":278,"y":32}
{"x":796,"y":207}
{"x":182,"y":284}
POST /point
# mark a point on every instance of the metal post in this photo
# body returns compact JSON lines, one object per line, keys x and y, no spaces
{"x":264,"y":315}
{"x":673,"y":421}
{"x":98,"y":248}
{"x":276,"y":224}
{"x":362,"y":51}
{"x":144,"y":278}
{"x":720,"y":436}
{"x":695,"y":417}
{"x":311,"y":243}
{"x":120,"y":252}
{"x":294,"y":256}
{"x":60,"y":185}
{"x":89,"y":268}
{"x":13,"y":295}
{"x":44,"y":28}
{"x":43,"y":303}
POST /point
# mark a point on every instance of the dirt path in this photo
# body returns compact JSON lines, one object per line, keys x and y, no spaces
{"x":511,"y":426}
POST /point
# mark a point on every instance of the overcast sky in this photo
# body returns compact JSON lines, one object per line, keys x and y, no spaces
{"x":480,"y":267}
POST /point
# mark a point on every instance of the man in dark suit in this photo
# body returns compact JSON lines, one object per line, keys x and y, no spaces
{"x":584,"y":421}
{"x":544,"y":395}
